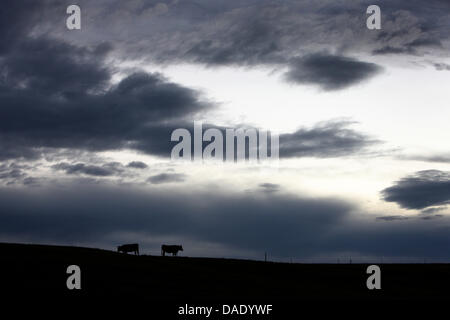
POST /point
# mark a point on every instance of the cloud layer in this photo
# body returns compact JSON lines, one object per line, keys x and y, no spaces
{"x":330,"y":72}
{"x":269,"y":32}
{"x":55,"y":95}
{"x":325,"y":140}
{"x":284,"y":225}
{"x":167,"y":178}
{"x":420,"y":190}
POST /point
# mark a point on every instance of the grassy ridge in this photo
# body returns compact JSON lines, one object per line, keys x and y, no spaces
{"x":41,"y":270}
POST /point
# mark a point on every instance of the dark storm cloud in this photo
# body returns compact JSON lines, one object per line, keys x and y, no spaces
{"x":441,"y":66}
{"x":330,"y":72}
{"x":265,"y":32}
{"x":93,"y":212}
{"x":51,"y":67}
{"x":12,"y":174}
{"x":269,"y":187}
{"x":435,"y":216}
{"x":32,"y":181}
{"x":392,"y":218}
{"x":422,"y":216}
{"x":410,"y":28}
{"x":252,"y":43}
{"x":58,"y":95}
{"x":331,"y":139}
{"x":432,"y":210}
{"x":12,"y":148}
{"x":305,"y":227}
{"x":420,"y":190}
{"x":17,"y":19}
{"x":393,"y":50}
{"x":137,"y":165}
{"x":108,"y":169}
{"x":414,"y":47}
{"x":239,"y":32}
{"x":55,"y":95}
{"x":425,"y":42}
{"x":324,"y":140}
{"x":167,"y":178}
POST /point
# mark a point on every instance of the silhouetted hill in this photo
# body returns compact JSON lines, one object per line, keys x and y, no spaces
{"x":40,"y":271}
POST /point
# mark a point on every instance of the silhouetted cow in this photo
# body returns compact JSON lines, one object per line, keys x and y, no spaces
{"x":173,"y":249}
{"x":125,"y":248}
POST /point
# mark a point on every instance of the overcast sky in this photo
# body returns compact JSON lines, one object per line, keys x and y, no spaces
{"x":363,"y":117}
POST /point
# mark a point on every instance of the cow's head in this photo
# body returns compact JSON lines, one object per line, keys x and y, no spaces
{"x":180,"y":248}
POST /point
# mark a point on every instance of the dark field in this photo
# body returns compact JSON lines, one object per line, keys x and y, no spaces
{"x":39,"y":272}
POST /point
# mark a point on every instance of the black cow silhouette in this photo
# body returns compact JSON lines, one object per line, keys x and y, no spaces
{"x":173,"y":249}
{"x":132,"y":247}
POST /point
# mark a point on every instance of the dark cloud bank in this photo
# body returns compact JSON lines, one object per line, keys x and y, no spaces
{"x":276,"y":34}
{"x":167,"y":178}
{"x":44,"y":105}
{"x":283,"y":225}
{"x":325,"y":140}
{"x":137,"y":165}
{"x":420,"y":190}
{"x":269,"y":187}
{"x":250,"y":33}
{"x":330,"y":72}
{"x":108,"y":169}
